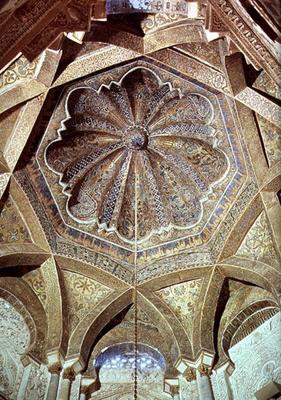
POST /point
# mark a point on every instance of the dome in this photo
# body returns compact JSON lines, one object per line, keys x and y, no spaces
{"x":137,"y":143}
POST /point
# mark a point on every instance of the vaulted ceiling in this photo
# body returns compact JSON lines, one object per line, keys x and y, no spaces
{"x":144,"y":146}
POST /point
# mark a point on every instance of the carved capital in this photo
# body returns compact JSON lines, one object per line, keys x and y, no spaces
{"x":84,"y":389}
{"x":175,"y":390}
{"x":69,"y":374}
{"x":204,"y":370}
{"x":190,"y":374}
{"x":55,"y":368}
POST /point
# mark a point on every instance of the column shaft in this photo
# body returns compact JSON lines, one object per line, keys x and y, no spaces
{"x":204,"y":387}
{"x":64,"y":392}
{"x":194,"y":390}
{"x":24,"y":382}
{"x":53,"y":387}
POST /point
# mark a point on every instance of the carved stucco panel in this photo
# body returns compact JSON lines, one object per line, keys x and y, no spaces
{"x":75,"y":388}
{"x":188,"y":390}
{"x":37,"y":383}
{"x":9,"y":371}
{"x":14,"y":341}
{"x":219,"y":385}
{"x":257,"y":359}
{"x":13,"y":328}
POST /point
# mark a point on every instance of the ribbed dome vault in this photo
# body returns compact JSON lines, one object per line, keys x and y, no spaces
{"x":137,"y":138}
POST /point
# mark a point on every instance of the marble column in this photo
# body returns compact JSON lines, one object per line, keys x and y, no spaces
{"x":204,"y":383}
{"x":226,"y":371}
{"x":228,"y":385}
{"x":24,"y":382}
{"x":55,"y":371}
{"x":67,"y":378}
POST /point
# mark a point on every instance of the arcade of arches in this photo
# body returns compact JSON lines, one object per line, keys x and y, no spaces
{"x":140,"y":181}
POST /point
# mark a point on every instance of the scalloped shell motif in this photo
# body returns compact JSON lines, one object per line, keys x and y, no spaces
{"x":140,"y":150}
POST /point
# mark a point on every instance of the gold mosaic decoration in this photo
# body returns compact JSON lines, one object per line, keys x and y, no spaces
{"x":83,"y":295}
{"x":182,"y":299}
{"x":139,"y":129}
{"x":36,"y":281}
{"x":138,"y":126}
{"x":271,"y":136}
{"x":12,"y":226}
{"x":258,"y":243}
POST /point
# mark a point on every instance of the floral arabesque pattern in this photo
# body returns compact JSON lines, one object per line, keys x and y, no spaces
{"x":83,"y":295}
{"x":12,"y":226}
{"x":14,"y":342}
{"x":21,"y":69}
{"x":182,"y":299}
{"x":138,"y":138}
{"x":11,"y":335}
{"x":258,"y":243}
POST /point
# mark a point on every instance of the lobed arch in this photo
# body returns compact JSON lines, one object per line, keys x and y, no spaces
{"x":248,"y":306}
{"x":129,"y":346}
{"x":124,"y":349}
{"x":28,"y":305}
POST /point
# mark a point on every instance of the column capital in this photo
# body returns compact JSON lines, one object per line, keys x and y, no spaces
{"x":27,"y":359}
{"x":84,"y":389}
{"x":204,"y":370}
{"x":69,"y":374}
{"x":54,"y":357}
{"x":175,"y":389}
{"x":55,"y":368}
{"x":190,"y":374}
{"x":228,"y":367}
